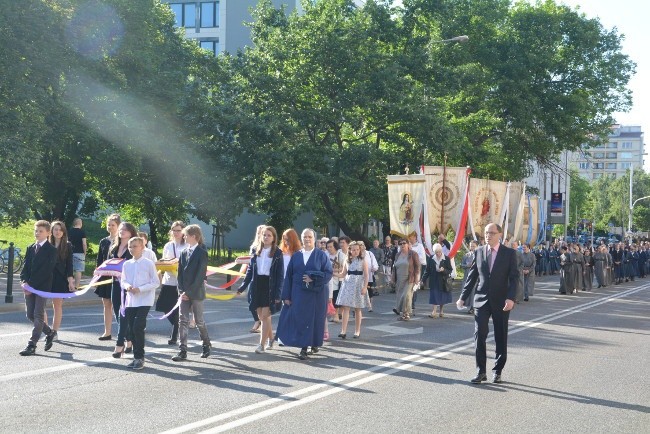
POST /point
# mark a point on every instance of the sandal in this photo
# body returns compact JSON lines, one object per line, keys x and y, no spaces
{"x":431,"y":316}
{"x":404,"y":318}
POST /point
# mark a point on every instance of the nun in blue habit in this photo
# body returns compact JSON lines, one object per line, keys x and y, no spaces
{"x":305,"y":295}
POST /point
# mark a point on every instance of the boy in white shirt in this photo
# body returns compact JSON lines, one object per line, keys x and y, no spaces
{"x":139,"y":280}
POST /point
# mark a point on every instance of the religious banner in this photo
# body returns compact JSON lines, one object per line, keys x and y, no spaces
{"x":405,"y":196}
{"x":445,"y":191}
{"x":530,"y":227}
{"x":487,"y":202}
{"x":517,"y":190}
{"x":518,"y":233}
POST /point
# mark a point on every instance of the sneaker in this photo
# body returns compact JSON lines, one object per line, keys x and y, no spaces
{"x":49,"y":340}
{"x":29,"y":350}
{"x":206,"y":351}
{"x":130,"y":365}
{"x":181,"y":356}
{"x":138,"y":364}
{"x":259,"y":349}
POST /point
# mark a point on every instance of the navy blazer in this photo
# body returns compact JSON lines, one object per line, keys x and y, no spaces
{"x":276,"y":277}
{"x":192,"y":271}
{"x":38,"y":270}
{"x":496,"y":286}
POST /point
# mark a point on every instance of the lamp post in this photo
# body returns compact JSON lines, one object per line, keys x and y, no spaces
{"x":461,"y":39}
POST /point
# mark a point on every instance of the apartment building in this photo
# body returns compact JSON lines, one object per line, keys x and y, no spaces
{"x":218,"y":26}
{"x":624,"y":149}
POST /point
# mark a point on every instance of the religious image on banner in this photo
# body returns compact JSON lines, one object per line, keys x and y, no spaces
{"x":405,"y":194}
{"x":487,"y":200}
{"x":445,"y":191}
{"x":406,"y":209}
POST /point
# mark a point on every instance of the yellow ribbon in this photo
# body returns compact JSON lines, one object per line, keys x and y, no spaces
{"x":103,"y":282}
{"x":225,"y":271}
{"x":222,"y":297}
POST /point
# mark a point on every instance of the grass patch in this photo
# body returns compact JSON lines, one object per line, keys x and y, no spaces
{"x":23,"y":236}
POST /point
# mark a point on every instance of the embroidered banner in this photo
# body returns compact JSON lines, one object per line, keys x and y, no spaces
{"x":445,"y":193}
{"x":405,"y":202}
{"x":487,"y":202}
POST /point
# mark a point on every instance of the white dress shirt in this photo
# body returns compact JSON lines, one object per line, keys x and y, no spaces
{"x":140,"y":273}
{"x":172,"y":251}
{"x":264,"y":263}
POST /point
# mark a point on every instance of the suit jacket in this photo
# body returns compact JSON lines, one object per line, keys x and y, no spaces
{"x":191,"y":272}
{"x":496,"y":286}
{"x":39,"y":267}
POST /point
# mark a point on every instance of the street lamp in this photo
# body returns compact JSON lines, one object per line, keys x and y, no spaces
{"x":461,"y":39}
{"x":629,"y":219}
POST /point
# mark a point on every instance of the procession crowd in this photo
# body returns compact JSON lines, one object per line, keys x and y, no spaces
{"x":311,"y":283}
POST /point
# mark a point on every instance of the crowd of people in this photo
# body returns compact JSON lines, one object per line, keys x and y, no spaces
{"x":311,"y":283}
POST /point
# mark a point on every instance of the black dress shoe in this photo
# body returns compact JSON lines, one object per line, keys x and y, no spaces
{"x":314,"y":350}
{"x":206,"y":351}
{"x":49,"y":340}
{"x":172,"y":342}
{"x":128,"y":350}
{"x":182,"y":355}
{"x":29,"y":350}
{"x":303,"y":355}
{"x":342,"y":335}
{"x":496,"y":378}
{"x":105,"y":338}
{"x":481,"y":376}
{"x":526,"y":299}
{"x":396,"y":312}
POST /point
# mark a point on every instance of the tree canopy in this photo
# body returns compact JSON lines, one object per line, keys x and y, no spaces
{"x":104,"y":104}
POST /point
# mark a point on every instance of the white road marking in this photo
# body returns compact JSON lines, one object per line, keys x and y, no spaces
{"x":339,"y":384}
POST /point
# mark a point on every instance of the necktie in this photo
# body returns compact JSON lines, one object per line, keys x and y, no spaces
{"x":189,"y":253}
{"x":37,"y":248}
{"x":490,"y":258}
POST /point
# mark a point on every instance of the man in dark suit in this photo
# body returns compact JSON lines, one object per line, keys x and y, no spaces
{"x":192,"y":268}
{"x":38,"y":271}
{"x":495,"y":269}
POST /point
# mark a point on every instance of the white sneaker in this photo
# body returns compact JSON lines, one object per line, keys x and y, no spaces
{"x":259,"y":349}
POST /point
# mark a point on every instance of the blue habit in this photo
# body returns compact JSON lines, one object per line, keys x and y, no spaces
{"x":302,"y":323}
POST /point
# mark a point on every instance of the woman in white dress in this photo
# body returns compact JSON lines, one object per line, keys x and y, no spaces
{"x":354,"y":290}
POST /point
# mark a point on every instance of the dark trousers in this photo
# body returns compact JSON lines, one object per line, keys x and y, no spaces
{"x":122,"y":323}
{"x":35,"y":309}
{"x":173,"y":319}
{"x":481,"y":329}
{"x":137,"y":320}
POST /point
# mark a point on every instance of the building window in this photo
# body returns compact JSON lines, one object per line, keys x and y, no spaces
{"x":598,"y":165}
{"x":597,"y":175}
{"x":209,"y":14}
{"x":185,"y":14}
{"x":599,"y":146}
{"x":627,"y":145}
{"x":610,"y":166}
{"x":612,"y":145}
{"x":212,"y":46}
{"x":584,"y":165}
{"x":626,"y":165}
{"x":611,"y":155}
{"x":625,"y":155}
{"x":599,"y":155}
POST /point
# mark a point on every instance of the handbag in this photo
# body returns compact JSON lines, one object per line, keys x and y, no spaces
{"x":331,"y":310}
{"x":448,"y":284}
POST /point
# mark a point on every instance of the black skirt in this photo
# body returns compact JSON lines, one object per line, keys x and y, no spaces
{"x":261,"y":292}
{"x":104,"y":291}
{"x":59,"y":283}
{"x":167,"y":298}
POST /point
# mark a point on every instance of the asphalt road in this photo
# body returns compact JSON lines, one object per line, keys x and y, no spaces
{"x":576,"y":364}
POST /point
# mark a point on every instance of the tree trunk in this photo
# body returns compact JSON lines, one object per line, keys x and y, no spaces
{"x":340,"y":221}
{"x":153,"y":235}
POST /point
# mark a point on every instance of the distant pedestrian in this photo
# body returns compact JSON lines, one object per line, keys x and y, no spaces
{"x":63,"y":280}
{"x":354,"y":289}
{"x":77,"y":236}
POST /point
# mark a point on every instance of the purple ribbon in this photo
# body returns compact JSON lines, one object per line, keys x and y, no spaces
{"x":46,"y":294}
